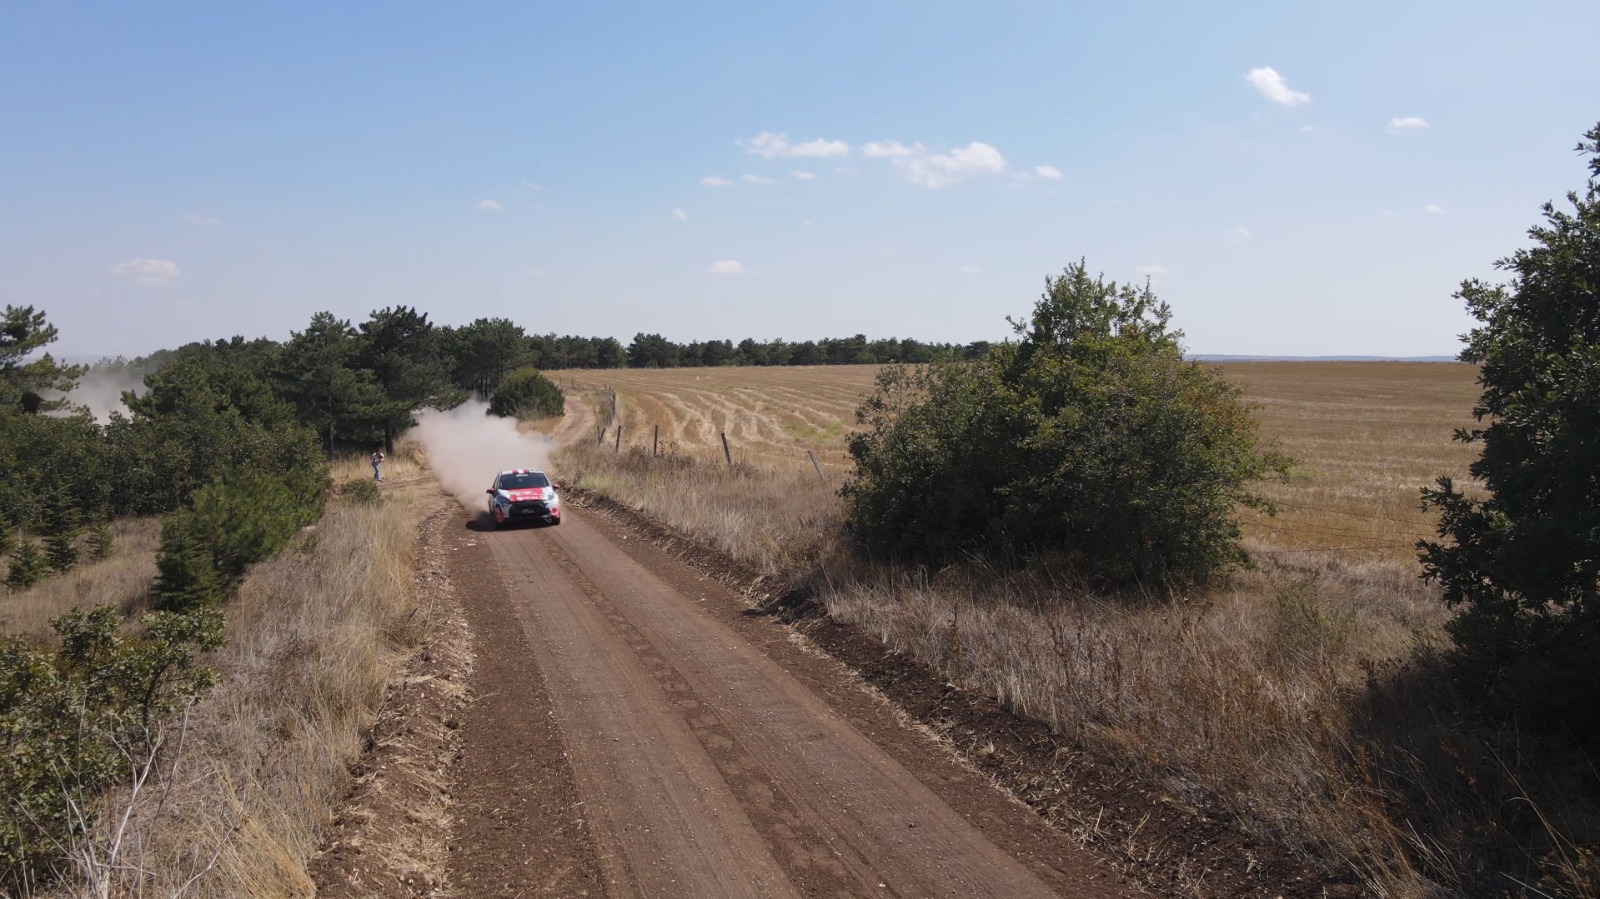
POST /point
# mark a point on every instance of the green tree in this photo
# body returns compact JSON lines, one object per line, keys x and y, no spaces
{"x":484,"y":352}
{"x":102,"y":544}
{"x":527,"y":394}
{"x":319,"y":372}
{"x":1089,"y":438}
{"x":243,"y":517}
{"x":1521,"y":559}
{"x":23,"y":383}
{"x":403,"y":351}
{"x":652,"y":351}
{"x":63,"y":523}
{"x":27,"y":564}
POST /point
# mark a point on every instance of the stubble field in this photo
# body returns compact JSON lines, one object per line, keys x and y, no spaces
{"x":1366,"y":436}
{"x":1300,"y":698}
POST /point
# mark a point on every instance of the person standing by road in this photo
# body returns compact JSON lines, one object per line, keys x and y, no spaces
{"x":377,"y":465}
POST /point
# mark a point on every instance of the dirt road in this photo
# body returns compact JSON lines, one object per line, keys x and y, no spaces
{"x":639,"y":734}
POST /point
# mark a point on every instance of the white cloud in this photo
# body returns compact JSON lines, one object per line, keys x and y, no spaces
{"x":1433,"y":209}
{"x":149,"y":272}
{"x":714,"y":181}
{"x":1047,"y":172}
{"x":200,"y":218}
{"x":944,"y":169}
{"x":726,"y":267}
{"x":1400,"y":125}
{"x":891,"y":149}
{"x":680,"y":215}
{"x":1241,"y":234}
{"x":529,"y":185}
{"x":820,"y":148}
{"x":1275,"y":87}
{"x":968,"y":270}
{"x":489,"y":206}
{"x":757,"y":179}
{"x":769,"y":145}
{"x":845,"y":170}
{"x":1148,"y":270}
{"x":803,"y":176}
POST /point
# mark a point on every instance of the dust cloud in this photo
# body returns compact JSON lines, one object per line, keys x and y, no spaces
{"x":467,"y":447}
{"x":100,"y":391}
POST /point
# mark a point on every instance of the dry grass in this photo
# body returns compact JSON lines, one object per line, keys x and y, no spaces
{"x":1292,"y":696}
{"x":314,"y":636}
{"x":123,"y":580}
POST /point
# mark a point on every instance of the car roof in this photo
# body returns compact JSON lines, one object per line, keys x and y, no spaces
{"x":520,"y":471}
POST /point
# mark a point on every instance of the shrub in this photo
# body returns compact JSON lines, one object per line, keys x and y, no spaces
{"x":1523,"y":564}
{"x":1090,"y":437}
{"x":72,"y":720}
{"x":525,"y":393}
{"x":27,"y":565}
{"x":102,"y":545}
{"x":63,"y":523}
{"x":361,"y":490}
{"x":230,"y":524}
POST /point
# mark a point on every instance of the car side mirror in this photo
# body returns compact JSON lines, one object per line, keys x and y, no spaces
{"x":490,"y":491}
{"x":554,"y":486}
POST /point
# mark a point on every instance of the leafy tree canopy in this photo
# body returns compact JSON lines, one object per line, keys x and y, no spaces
{"x":1088,"y":438}
{"x":1521,"y":558}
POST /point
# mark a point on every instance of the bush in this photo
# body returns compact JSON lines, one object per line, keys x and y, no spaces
{"x":525,"y":393}
{"x":102,"y":545}
{"x":27,"y":565}
{"x":361,"y":490}
{"x":63,"y":523}
{"x":1523,"y":564}
{"x":72,"y":721}
{"x":1090,"y":438}
{"x":230,"y":524}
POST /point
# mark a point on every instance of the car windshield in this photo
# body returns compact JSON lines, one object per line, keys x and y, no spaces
{"x":523,"y":480}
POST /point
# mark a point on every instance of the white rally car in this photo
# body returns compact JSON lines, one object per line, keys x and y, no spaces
{"x":523,"y":494}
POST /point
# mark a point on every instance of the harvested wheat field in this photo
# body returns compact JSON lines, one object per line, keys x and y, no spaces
{"x":1365,"y":436}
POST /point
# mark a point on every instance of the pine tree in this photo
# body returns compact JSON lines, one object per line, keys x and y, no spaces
{"x":62,"y":525}
{"x":102,"y":545}
{"x":27,"y":565}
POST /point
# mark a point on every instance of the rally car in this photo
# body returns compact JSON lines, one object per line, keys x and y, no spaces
{"x":523,"y":494}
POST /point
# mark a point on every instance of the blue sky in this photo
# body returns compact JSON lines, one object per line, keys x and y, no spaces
{"x":1295,"y":178}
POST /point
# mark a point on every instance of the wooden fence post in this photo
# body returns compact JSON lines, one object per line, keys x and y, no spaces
{"x":600,"y":437}
{"x":727,"y":453}
{"x":818,"y":466}
{"x":655,"y":442}
{"x":618,"y":447}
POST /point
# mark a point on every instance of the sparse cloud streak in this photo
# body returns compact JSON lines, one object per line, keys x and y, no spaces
{"x":149,"y":272}
{"x":936,"y":170}
{"x":490,"y":206}
{"x":204,"y":220}
{"x":726,"y":267}
{"x":771,"y":145}
{"x":715,"y":181}
{"x":1402,"y":124}
{"x":757,"y":179}
{"x":680,"y":215}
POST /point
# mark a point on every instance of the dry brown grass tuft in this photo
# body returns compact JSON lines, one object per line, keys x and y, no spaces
{"x":123,"y":580}
{"x":313,"y":637}
{"x":1298,"y":696}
